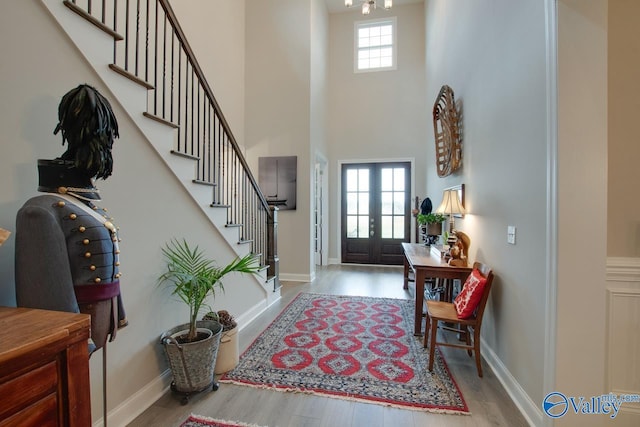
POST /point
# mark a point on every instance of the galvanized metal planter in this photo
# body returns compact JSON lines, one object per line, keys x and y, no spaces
{"x":192,"y":363}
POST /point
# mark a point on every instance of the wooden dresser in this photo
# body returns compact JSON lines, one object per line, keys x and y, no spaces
{"x":44,"y":368}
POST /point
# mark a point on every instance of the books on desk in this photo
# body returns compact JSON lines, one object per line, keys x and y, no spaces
{"x":439,"y":250}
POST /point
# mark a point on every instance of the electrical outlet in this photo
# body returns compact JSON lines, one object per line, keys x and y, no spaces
{"x":511,"y":234}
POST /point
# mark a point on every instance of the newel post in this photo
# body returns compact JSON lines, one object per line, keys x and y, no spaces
{"x":272,"y":247}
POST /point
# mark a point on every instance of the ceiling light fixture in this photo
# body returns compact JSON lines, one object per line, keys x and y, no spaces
{"x":369,"y":5}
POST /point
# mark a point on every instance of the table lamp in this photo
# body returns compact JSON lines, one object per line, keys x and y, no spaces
{"x":451,"y":205}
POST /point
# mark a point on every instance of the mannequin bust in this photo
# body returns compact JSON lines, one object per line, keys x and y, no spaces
{"x":67,"y":254}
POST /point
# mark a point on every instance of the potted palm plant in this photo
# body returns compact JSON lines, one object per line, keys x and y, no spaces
{"x":192,"y":347}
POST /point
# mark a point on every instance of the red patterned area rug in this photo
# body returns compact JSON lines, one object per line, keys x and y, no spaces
{"x":200,"y":421}
{"x":357,"y":348}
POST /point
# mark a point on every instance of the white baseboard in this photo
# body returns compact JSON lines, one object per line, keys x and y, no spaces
{"x":528,"y":408}
{"x":128,"y":410}
{"x":247,"y":317}
{"x":290,"y":277}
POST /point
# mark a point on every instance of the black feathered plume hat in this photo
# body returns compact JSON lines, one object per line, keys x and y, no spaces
{"x":88,"y":127}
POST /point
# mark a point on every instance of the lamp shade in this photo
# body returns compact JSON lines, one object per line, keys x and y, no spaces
{"x":451,"y":204}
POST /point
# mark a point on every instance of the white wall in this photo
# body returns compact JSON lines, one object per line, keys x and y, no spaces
{"x":492,"y":54}
{"x":148,"y":205}
{"x":517,"y":172}
{"x":215,"y":30}
{"x":623,"y":110}
{"x":278,"y":106}
{"x":623,"y":231}
{"x":377,"y":115}
{"x":582,"y":201}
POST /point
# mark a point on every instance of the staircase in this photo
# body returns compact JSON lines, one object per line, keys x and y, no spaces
{"x":139,"y":50}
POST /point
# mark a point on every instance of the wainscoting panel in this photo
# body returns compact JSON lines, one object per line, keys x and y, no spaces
{"x":623,"y":334}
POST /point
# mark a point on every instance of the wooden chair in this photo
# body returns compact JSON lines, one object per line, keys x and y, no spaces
{"x":440,"y":311}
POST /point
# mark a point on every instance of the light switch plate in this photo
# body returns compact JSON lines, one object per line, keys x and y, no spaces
{"x":511,"y":234}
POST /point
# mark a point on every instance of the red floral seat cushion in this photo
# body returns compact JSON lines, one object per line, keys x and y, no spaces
{"x":470,"y":295}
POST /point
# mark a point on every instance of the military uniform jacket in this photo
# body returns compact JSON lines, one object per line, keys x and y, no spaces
{"x":67,"y":259}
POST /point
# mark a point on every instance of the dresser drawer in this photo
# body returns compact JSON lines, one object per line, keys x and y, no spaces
{"x":43,"y":413}
{"x":24,"y":390}
{"x":44,"y":368}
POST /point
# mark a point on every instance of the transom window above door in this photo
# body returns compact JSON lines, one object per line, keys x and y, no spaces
{"x":375,"y":45}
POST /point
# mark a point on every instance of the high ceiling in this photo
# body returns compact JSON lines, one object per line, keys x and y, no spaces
{"x":337,"y":6}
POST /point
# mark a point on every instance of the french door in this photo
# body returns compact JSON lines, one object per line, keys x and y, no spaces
{"x":376,"y":212}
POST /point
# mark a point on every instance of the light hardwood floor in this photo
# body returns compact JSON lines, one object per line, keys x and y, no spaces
{"x":488,"y":402}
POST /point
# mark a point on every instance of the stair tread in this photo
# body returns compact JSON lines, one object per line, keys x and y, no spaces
{"x":199,"y":181}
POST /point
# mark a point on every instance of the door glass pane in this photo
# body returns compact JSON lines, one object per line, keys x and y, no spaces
{"x":386,"y":227}
{"x":352,"y":203}
{"x":398,"y":203}
{"x":357,"y":197}
{"x":363,"y":203}
{"x":398,"y":179}
{"x":393,"y":202}
{"x":386,"y":201}
{"x":363,"y":226}
{"x":352,"y":226}
{"x":386,"y":179}
{"x":363,"y":182}
{"x":352,"y":180}
{"x":398,"y":227}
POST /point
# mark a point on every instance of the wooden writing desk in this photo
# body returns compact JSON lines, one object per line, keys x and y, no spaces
{"x":424,"y":265}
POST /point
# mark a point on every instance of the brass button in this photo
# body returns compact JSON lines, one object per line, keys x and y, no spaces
{"x":118,"y":251}
{"x":61,"y":204}
{"x":62,"y":190}
{"x":87,"y":254}
{"x":82,"y":229}
{"x":117,"y":263}
{"x":73,"y":216}
{"x":85,"y":241}
{"x":92,"y":268}
{"x":117,"y":276}
{"x":97,"y":280}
